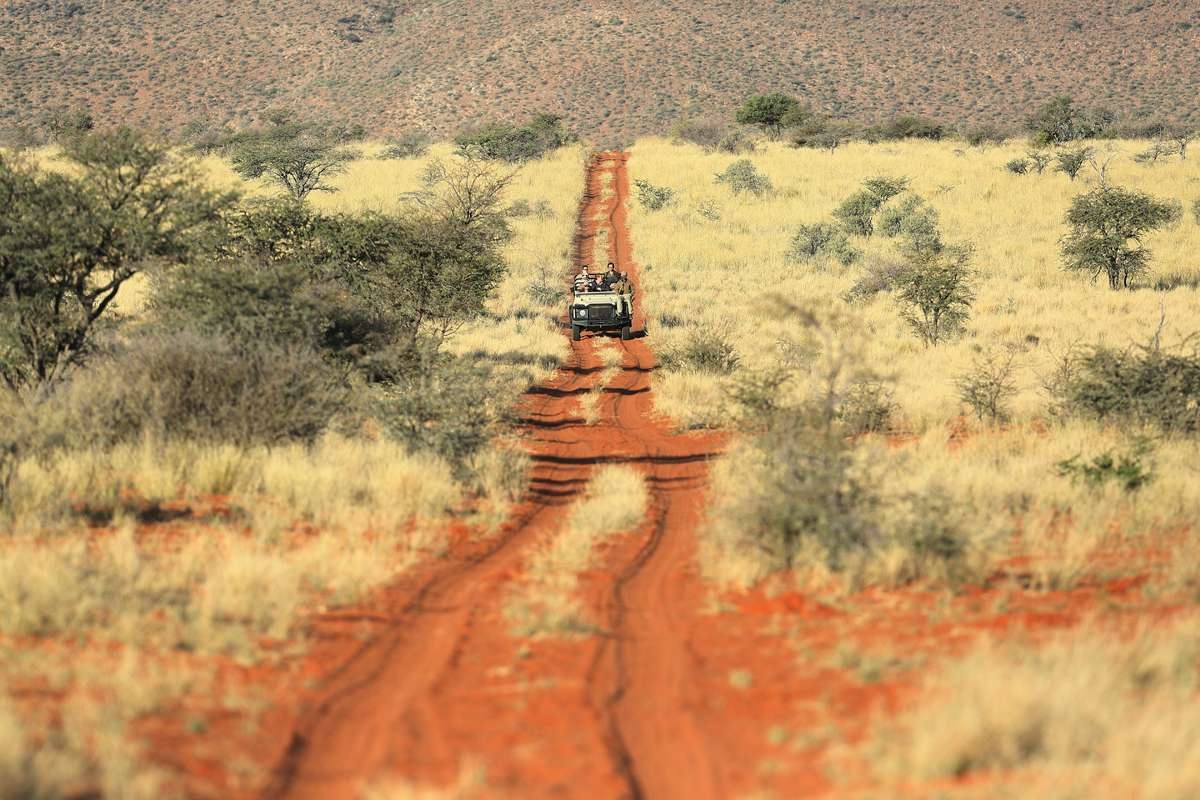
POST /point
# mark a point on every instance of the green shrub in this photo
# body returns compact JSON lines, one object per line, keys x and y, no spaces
{"x":1070,"y":162}
{"x":935,"y":293}
{"x":410,"y":144}
{"x":518,"y":209}
{"x":735,"y":142}
{"x":914,"y":220}
{"x":742,"y":176}
{"x":653,"y":198}
{"x":988,"y":386}
{"x":879,"y":276}
{"x":810,"y":493}
{"x":856,"y":214}
{"x":709,"y":210}
{"x":1124,"y":469}
{"x":707,"y":350}
{"x":516,"y":143}
{"x":767,"y":111}
{"x":813,"y":496}
{"x":1139,"y":385}
{"x":758,"y":394}
{"x":69,"y":242}
{"x":905,"y":126}
{"x":983,"y":135}
{"x":440,"y":403}
{"x":1018,"y":166}
{"x":298,"y":157}
{"x":1156,"y":151}
{"x":1107,"y":226}
{"x":1061,"y":120}
{"x":187,"y":385}
{"x":822,"y":238}
{"x":868,"y":406}
{"x":713,"y":135}
{"x":885,"y":188}
{"x":1038,"y":160}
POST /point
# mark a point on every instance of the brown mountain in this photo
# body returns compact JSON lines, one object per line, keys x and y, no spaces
{"x":615,"y":69}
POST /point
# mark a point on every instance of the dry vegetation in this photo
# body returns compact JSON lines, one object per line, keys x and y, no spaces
{"x":1088,"y":714}
{"x":874,"y":460}
{"x":439,"y":66}
{"x":728,"y":308}
{"x":547,"y":602}
{"x":185,"y":556}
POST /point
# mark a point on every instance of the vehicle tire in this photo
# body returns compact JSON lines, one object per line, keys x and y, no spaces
{"x":576,"y":333}
{"x":626,"y":333}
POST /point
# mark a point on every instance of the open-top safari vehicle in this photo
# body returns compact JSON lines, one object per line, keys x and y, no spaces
{"x":601,"y":311}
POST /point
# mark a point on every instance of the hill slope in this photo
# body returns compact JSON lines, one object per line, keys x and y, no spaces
{"x":615,"y":68}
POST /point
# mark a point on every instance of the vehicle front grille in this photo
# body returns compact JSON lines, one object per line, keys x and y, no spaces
{"x":602,"y":313}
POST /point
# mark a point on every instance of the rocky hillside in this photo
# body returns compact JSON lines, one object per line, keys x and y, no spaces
{"x":616,"y":68}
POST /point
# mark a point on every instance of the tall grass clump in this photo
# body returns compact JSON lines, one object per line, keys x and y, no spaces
{"x":802,"y":495}
{"x":1087,"y":714}
{"x":614,"y":501}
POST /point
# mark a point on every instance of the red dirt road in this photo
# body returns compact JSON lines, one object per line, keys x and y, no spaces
{"x":617,"y":714}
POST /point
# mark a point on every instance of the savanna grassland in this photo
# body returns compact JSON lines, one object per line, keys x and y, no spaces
{"x":306,"y":518}
{"x":616,"y":70}
{"x":158,"y":588}
{"x":937,"y":485}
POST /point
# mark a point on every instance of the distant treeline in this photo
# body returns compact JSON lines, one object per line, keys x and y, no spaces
{"x":784,"y":117}
{"x":779,"y":116}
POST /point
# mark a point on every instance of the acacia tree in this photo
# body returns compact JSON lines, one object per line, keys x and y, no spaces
{"x":935,"y":292}
{"x":856,"y":214}
{"x":1181,"y":136}
{"x":1039,"y":160}
{"x":298,"y":157}
{"x":69,"y":242}
{"x":469,"y":193}
{"x":1070,"y":162}
{"x":1060,"y":120}
{"x":768,"y":111}
{"x":1107,"y":225}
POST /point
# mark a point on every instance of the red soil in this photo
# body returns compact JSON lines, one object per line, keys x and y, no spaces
{"x":684,"y":693}
{"x":609,"y":715}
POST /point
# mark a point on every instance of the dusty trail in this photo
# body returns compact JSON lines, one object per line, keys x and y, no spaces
{"x":613,"y":715}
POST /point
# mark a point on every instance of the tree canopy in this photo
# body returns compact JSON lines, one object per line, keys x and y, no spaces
{"x":768,"y":111}
{"x":1107,"y":225}
{"x":298,"y":157}
{"x":70,"y":241}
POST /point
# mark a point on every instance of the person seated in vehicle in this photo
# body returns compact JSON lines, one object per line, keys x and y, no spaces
{"x":610,"y":277}
{"x":583,"y":280}
{"x":623,"y":288}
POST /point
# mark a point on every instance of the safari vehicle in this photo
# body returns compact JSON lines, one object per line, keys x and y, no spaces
{"x":601,"y":311}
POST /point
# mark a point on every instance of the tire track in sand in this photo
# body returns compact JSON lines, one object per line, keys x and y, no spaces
{"x":408,"y":702}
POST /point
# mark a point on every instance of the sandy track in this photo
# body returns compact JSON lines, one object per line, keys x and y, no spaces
{"x":615,"y":715}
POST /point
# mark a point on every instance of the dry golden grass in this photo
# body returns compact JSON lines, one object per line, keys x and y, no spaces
{"x":546,"y":603}
{"x":85,"y":742}
{"x":310,"y":526}
{"x":700,"y":276}
{"x":1089,"y":714}
{"x":374,"y":507}
{"x":705,"y":272}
